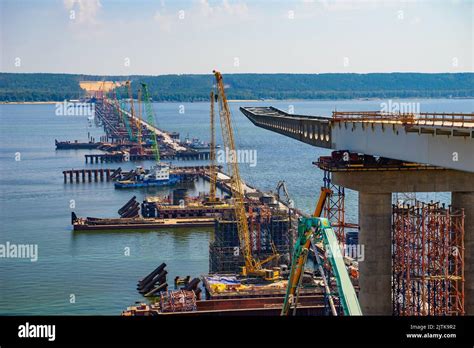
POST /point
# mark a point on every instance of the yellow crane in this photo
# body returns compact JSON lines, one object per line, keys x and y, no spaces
{"x":252,"y":266}
{"x":212,"y":156}
{"x":325,"y":193}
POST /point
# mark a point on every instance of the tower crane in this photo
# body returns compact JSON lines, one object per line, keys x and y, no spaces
{"x":252,"y":266}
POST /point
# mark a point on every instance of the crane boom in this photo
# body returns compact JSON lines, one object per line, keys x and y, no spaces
{"x":212,"y":155}
{"x":133,"y":119}
{"x":120,"y":107}
{"x":319,"y":229}
{"x":139,"y":122}
{"x":325,"y":192}
{"x":235,"y":181}
{"x":252,"y":266}
{"x":151,"y":120}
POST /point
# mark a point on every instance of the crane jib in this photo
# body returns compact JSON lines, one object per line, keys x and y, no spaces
{"x":313,"y":229}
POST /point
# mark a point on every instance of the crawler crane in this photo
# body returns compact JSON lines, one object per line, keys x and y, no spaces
{"x":252,"y":266}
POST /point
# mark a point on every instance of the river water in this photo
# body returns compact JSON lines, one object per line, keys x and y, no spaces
{"x":92,"y":272}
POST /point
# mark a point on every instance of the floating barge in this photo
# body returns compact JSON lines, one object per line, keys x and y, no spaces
{"x":235,"y":296}
{"x":98,"y":224}
{"x":75,"y":145}
{"x":265,"y":306}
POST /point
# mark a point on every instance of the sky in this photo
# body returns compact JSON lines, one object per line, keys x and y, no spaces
{"x":145,"y":37}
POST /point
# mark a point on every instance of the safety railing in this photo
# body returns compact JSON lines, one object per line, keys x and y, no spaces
{"x":424,"y":118}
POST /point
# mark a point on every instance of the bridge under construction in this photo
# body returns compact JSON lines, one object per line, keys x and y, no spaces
{"x":419,"y":258}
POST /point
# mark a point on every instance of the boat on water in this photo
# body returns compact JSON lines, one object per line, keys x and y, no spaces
{"x":158,"y":175}
{"x":197,"y":144}
{"x":76,"y":145}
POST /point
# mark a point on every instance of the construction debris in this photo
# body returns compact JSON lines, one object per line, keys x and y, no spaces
{"x":178,"y":301}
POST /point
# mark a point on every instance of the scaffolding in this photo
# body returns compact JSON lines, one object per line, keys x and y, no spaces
{"x":427,"y":260}
{"x":334,"y":211}
{"x":266,"y":229}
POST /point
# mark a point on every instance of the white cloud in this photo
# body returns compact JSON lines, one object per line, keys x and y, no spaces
{"x":238,"y":9}
{"x":348,"y":5}
{"x":85,"y":10}
{"x":203,"y":13}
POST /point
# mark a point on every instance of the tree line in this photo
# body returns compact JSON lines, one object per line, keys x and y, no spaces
{"x":16,"y":87}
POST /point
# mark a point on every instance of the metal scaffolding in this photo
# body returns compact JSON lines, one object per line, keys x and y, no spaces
{"x":427,"y":260}
{"x":334,"y":209}
{"x":265,"y":228}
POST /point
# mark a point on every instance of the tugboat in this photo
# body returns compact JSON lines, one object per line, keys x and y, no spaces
{"x":158,"y":175}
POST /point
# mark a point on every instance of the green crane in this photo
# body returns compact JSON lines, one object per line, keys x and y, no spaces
{"x":126,"y":120}
{"x":120,"y":107}
{"x":314,"y":230}
{"x":150,"y":120}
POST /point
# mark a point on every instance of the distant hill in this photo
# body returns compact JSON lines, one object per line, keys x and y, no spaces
{"x":184,"y":88}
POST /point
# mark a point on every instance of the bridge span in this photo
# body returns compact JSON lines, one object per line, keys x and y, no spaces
{"x":445,"y":142}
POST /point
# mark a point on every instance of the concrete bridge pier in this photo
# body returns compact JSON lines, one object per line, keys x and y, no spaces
{"x":375,"y":215}
{"x":375,"y":271}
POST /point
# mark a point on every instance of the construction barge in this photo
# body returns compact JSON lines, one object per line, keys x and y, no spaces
{"x":269,"y":306}
{"x":155,"y":215}
{"x":76,"y":145}
{"x":104,"y":224}
{"x":225,"y":294}
{"x":178,"y":210}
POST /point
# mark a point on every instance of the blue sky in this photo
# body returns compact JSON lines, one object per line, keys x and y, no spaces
{"x":185,"y":36}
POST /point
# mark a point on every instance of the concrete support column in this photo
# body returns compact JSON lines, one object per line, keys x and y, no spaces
{"x":465,"y":200}
{"x":375,"y":272}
